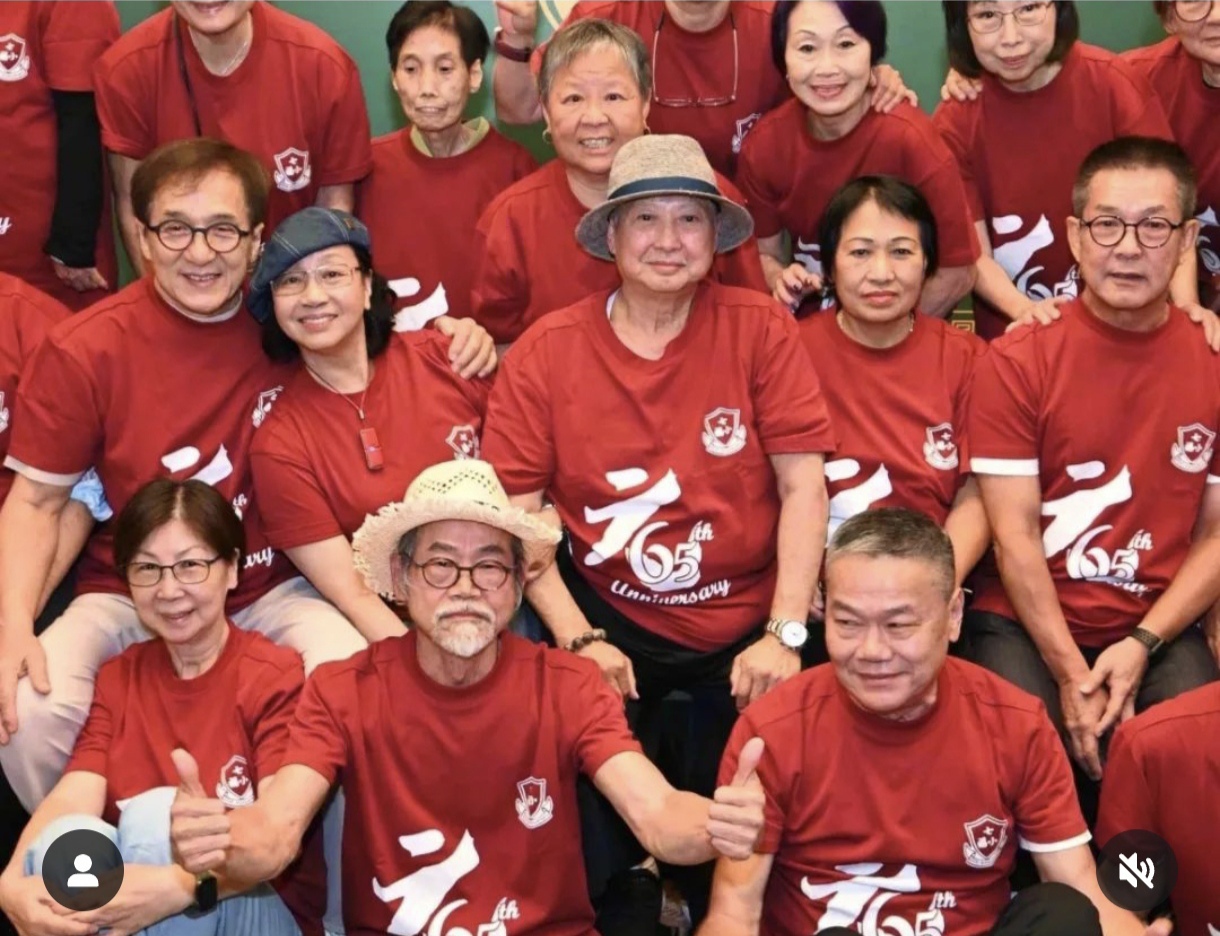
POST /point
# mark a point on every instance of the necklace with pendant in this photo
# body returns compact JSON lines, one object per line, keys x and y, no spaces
{"x":369,"y":443}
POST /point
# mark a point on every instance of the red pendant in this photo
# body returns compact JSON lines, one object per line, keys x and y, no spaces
{"x":372,"y":449}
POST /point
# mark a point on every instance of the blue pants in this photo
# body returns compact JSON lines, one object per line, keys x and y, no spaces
{"x":142,"y":838}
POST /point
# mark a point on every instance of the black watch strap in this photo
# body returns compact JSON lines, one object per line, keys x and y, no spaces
{"x":1151,"y":641}
{"x":207,"y":894}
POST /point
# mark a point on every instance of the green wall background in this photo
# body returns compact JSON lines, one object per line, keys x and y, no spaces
{"x":916,"y":40}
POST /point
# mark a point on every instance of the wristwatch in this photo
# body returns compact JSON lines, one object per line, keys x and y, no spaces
{"x":1151,"y":641}
{"x":206,"y":895}
{"x":792,"y":634}
{"x":511,"y":52}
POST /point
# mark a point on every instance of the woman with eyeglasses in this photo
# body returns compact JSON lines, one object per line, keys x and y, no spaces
{"x":803,"y":152}
{"x":1184,"y":70}
{"x":711,"y":77}
{"x":200,"y":681}
{"x":365,"y":410}
{"x":1046,"y":101}
{"x":596,"y":87}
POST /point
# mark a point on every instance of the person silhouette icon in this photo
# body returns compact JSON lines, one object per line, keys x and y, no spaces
{"x":83,"y":878}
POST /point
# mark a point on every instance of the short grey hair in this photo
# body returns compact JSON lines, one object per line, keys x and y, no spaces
{"x":898,"y":533}
{"x":575,"y":39}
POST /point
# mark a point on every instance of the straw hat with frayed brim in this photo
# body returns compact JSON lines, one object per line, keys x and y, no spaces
{"x":655,"y":165}
{"x":464,"y":489}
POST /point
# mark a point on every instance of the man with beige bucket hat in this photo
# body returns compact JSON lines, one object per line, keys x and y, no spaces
{"x":459,"y":745}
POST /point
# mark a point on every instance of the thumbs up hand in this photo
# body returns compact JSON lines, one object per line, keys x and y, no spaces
{"x":735,"y":819}
{"x":198,"y":826}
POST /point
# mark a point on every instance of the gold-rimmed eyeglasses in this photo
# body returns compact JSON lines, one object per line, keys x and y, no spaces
{"x":700,"y":101}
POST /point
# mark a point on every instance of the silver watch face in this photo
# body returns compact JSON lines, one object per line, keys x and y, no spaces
{"x":793,"y":634}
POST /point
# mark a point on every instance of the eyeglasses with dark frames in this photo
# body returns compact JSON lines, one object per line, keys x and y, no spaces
{"x":1027,"y":14}
{"x":1192,"y":11}
{"x":694,"y":102}
{"x":1108,"y":230}
{"x":186,"y":571}
{"x":487,"y":575}
{"x":223,"y":237}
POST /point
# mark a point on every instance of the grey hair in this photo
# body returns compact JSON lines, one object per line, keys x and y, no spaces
{"x":408,"y":541}
{"x":574,"y":40}
{"x":898,"y":533}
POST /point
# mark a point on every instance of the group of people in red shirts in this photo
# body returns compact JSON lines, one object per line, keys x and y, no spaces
{"x":727,"y":293}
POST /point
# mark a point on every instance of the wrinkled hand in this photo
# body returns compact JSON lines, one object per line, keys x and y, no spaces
{"x":1081,"y":716}
{"x":519,"y":20}
{"x":615,"y":666}
{"x":472,"y":352}
{"x":761,"y":666}
{"x":147,"y":895}
{"x":82,"y":279}
{"x":889,"y":90}
{"x":958,"y":87}
{"x":1043,"y":312}
{"x":794,"y":284}
{"x":735,"y":818}
{"x":20,"y":655}
{"x":1119,"y":669}
{"x":1210,"y":322}
{"x":199,"y":827}
{"x":34,"y":912}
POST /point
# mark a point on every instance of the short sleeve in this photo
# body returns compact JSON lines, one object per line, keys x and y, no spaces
{"x":751,"y":178}
{"x":1127,"y":801}
{"x":953,"y":122}
{"x":975,"y":349}
{"x":125,"y":106}
{"x":293,"y":507}
{"x":347,"y":153}
{"x":1003,"y":418}
{"x":593,"y":714}
{"x":316,"y":739}
{"x":1047,"y":812}
{"x":938,"y":176}
{"x":270,"y":714}
{"x":741,"y":266}
{"x":517,"y":437}
{"x":57,"y":427}
{"x":500,"y":293}
{"x":75,"y":36}
{"x":768,"y":776}
{"x":92,"y":749}
{"x":789,"y":407}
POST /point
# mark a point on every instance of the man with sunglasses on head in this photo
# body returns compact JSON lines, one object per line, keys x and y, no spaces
{"x":166,"y":378}
{"x":1093,"y":440}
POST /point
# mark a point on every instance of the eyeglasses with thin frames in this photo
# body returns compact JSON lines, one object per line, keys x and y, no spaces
{"x":186,"y":571}
{"x":330,"y":278}
{"x":694,"y":102}
{"x":1108,"y":230}
{"x":989,"y":21}
{"x":222,"y":237}
{"x":487,"y":575}
{"x":1192,"y":11}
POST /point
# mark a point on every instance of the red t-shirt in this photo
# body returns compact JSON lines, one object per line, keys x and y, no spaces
{"x":139,"y":391}
{"x":1162,"y":774}
{"x":310,"y":476}
{"x":1119,"y":429}
{"x":528,"y":262}
{"x":788,"y":177}
{"x":899,"y":414}
{"x":681,"y":72}
{"x":44,"y":46}
{"x":461,"y":803}
{"x":26,"y":315}
{"x":421,"y":213}
{"x":295,"y":102}
{"x":1193,"y":108}
{"x":1025,"y":194}
{"x":233,"y":719}
{"x":861,"y":841}
{"x":660,"y":470}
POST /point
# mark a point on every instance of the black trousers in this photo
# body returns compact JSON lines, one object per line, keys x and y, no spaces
{"x":1003,"y":646}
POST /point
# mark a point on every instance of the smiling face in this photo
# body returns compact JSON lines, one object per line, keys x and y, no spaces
{"x":664,"y":244}
{"x":888,"y":629}
{"x":594,"y":106}
{"x":1014,"y":53}
{"x":432,"y":81}
{"x":828,"y":63}
{"x":198,"y":280}
{"x":182,"y":614}
{"x":328,"y":311}
{"x":879,"y":265}
{"x":1200,"y":36}
{"x":215,"y":18}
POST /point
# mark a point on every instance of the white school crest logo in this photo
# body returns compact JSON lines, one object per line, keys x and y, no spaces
{"x":534,"y":807}
{"x":744,"y":126}
{"x":723,"y":433}
{"x":262,"y":406}
{"x":292,"y":169}
{"x":3,"y":413}
{"x":235,"y":787}
{"x":464,"y":441}
{"x":14,"y":58}
{"x":939,"y":449}
{"x":1193,"y":450}
{"x":985,"y":839}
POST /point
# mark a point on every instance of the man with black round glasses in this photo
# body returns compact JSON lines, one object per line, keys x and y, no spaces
{"x":1093,"y":441}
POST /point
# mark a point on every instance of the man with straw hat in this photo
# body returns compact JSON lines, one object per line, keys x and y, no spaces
{"x":458,"y":745}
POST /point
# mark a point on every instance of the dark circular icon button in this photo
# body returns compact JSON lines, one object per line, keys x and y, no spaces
{"x":1137,"y":870}
{"x":82,"y":870}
